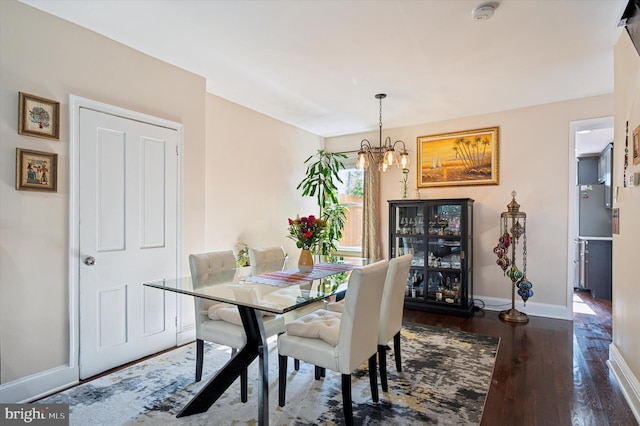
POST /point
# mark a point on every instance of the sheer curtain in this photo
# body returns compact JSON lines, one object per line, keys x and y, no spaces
{"x":371,"y":241}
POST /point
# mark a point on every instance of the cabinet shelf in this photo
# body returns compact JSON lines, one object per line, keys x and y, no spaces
{"x":438,"y":234}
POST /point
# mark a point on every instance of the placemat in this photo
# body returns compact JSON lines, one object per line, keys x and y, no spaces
{"x":293,"y":276}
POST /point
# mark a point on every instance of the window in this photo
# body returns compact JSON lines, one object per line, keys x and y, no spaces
{"x":350,"y":194}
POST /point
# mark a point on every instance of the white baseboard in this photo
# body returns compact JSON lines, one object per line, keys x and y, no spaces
{"x":532,"y":308}
{"x":629,"y":384}
{"x":38,"y":385}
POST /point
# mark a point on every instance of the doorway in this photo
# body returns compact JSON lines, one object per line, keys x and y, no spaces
{"x":124,"y":231}
{"x":588,"y":139}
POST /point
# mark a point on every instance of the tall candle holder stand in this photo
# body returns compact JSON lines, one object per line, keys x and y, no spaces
{"x":513,"y":231}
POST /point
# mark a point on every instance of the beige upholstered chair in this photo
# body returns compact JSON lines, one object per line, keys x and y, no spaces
{"x":268,"y":259}
{"x":271,"y":259}
{"x":391,"y":311}
{"x":339,"y":341}
{"x":213,"y":268}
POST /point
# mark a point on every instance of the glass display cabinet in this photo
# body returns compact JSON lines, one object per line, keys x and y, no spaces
{"x":438,"y":233}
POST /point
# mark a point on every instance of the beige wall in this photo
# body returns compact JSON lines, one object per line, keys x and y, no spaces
{"x":49,"y":57}
{"x":626,"y":296}
{"x":534,"y":161}
{"x":254,"y":164}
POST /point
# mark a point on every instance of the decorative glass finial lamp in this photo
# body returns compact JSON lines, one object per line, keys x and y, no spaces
{"x":513,"y":232}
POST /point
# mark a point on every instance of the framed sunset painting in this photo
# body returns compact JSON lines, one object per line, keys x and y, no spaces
{"x":468,"y":157}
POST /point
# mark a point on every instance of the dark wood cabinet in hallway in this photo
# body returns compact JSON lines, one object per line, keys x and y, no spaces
{"x":549,"y":371}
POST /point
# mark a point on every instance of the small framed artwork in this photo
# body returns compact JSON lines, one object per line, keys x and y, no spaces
{"x":36,"y":170}
{"x":636,"y":147}
{"x":38,"y":117}
{"x":468,"y":157}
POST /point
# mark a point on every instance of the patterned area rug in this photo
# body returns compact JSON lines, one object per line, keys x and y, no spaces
{"x":445,"y":380}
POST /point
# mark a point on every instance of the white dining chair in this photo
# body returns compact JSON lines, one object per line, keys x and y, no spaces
{"x":391,"y":311}
{"x":217,"y":268}
{"x":266,"y":259}
{"x":271,"y":259}
{"x":339,"y":342}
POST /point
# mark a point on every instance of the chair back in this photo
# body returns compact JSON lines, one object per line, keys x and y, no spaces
{"x":359,"y":325}
{"x":213,"y":267}
{"x":210,"y":268}
{"x":268,"y":259}
{"x":392,"y":305}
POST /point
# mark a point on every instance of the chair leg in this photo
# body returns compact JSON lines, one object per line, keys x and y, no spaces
{"x":382,"y":359}
{"x":296,"y":364}
{"x":396,"y":352}
{"x":346,"y":399}
{"x":244,"y":380}
{"x":199,"y":358}
{"x":282,"y":379}
{"x":373,"y":378}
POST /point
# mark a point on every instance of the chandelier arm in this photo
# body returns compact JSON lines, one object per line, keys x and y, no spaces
{"x":365,"y":144}
{"x":387,"y":144}
{"x":404,"y":148}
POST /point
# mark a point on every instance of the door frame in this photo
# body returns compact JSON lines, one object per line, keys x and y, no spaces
{"x":75,"y":104}
{"x":574,"y":196}
{"x":572,"y":213}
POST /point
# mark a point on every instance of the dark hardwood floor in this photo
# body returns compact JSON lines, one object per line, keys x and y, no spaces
{"x":548,"y":371}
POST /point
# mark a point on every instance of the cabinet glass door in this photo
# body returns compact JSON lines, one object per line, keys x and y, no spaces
{"x":444,"y":219}
{"x":444,"y":254}
{"x":409,"y":220}
{"x":407,"y":233}
{"x":444,"y":287}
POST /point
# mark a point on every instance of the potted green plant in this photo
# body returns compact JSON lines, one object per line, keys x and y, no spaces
{"x":320,"y":180}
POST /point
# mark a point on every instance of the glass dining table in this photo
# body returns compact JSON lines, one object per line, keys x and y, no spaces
{"x":275,"y":293}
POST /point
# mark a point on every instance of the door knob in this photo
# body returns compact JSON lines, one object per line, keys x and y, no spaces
{"x":90,"y":260}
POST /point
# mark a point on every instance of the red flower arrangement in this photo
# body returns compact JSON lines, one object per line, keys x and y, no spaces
{"x":306,"y":231}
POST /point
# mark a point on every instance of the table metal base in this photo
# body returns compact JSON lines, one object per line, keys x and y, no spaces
{"x":256,"y":346}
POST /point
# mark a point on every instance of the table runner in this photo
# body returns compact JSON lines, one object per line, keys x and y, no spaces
{"x":293,"y":276}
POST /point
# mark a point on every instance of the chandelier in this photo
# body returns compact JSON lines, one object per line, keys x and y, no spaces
{"x":384,"y":155}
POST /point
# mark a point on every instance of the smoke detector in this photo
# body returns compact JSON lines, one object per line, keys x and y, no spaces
{"x":484,"y":11}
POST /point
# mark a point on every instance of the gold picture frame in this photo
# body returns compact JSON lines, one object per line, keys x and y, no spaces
{"x":636,"y":145}
{"x":36,"y":170}
{"x":38,"y":117}
{"x":468,"y":157}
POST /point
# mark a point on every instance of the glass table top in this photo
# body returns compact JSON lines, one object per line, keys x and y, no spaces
{"x":276,"y":292}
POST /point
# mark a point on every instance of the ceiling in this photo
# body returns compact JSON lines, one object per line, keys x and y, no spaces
{"x":317,"y":64}
{"x":593,"y":135}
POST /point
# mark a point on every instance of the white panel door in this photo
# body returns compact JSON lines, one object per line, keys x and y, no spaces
{"x":128,"y":214}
